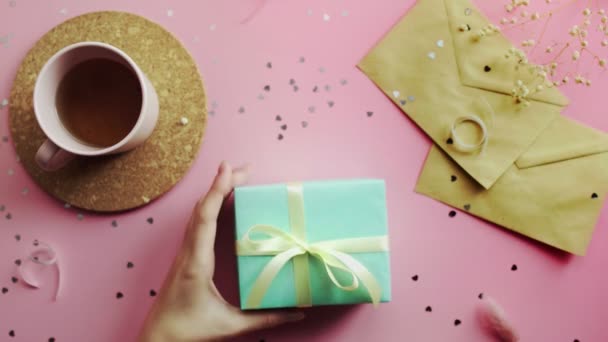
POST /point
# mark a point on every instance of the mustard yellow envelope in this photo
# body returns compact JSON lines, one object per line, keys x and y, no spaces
{"x":437,"y":72}
{"x":553,"y":193}
{"x":537,"y":173}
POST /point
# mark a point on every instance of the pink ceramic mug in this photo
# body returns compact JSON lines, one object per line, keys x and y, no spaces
{"x":61,"y":146}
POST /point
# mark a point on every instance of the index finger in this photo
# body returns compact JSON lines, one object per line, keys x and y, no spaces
{"x":208,"y":208}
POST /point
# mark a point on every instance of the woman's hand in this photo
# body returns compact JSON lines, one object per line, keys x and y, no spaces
{"x":189,"y":306}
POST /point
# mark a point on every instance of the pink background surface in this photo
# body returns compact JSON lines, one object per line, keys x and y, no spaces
{"x":551,"y":297}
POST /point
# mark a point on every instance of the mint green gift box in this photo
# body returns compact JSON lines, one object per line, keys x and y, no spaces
{"x":332,"y":210}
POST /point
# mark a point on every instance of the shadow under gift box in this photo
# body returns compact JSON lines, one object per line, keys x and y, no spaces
{"x":352,"y":211}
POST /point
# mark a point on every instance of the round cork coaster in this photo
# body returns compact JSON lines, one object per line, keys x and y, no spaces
{"x":132,"y":179}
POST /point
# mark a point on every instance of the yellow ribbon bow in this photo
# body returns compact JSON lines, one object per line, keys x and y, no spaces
{"x":285,"y":246}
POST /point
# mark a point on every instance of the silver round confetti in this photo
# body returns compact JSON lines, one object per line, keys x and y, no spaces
{"x":468,"y":11}
{"x":311,"y":109}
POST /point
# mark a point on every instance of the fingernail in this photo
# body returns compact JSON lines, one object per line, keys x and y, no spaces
{"x":295,"y":316}
{"x":222,"y":167}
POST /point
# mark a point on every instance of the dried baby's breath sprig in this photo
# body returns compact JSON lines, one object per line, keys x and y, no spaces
{"x":562,"y":54}
{"x":539,"y":81}
{"x":486,"y":31}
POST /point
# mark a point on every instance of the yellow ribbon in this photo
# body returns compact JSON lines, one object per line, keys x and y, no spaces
{"x":285,"y":246}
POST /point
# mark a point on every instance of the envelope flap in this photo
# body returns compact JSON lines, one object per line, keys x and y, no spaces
{"x":564,"y":139}
{"x":482,"y":62}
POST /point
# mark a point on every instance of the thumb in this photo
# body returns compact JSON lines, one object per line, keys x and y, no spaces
{"x":264,"y":320}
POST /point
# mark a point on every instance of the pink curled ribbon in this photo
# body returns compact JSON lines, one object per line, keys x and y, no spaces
{"x":45,"y":256}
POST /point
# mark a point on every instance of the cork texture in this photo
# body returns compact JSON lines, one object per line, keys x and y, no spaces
{"x":132,"y":179}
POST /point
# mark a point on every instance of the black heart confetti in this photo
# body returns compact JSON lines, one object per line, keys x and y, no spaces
{"x":457,"y":322}
{"x":130,"y":264}
{"x":429,"y":309}
{"x":452,"y":213}
{"x":280,"y":137}
{"x":594,"y":195}
{"x":14,"y":280}
{"x":119,"y":295}
{"x":266,"y":88}
{"x":4,"y":290}
{"x":11,"y":333}
{"x":114,"y":223}
{"x":369,"y":114}
{"x":284,"y":127}
{"x":514,"y":267}
{"x":152,"y":293}
{"x":150,"y":220}
{"x":467,"y":207}
{"x":453,"y":178}
{"x":415,"y":278}
{"x":278,"y":118}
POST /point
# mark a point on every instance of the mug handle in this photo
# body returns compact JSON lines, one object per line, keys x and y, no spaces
{"x":51,"y":158}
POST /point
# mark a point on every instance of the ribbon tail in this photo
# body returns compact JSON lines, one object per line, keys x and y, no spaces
{"x":270,"y":271}
{"x":369,"y":281}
